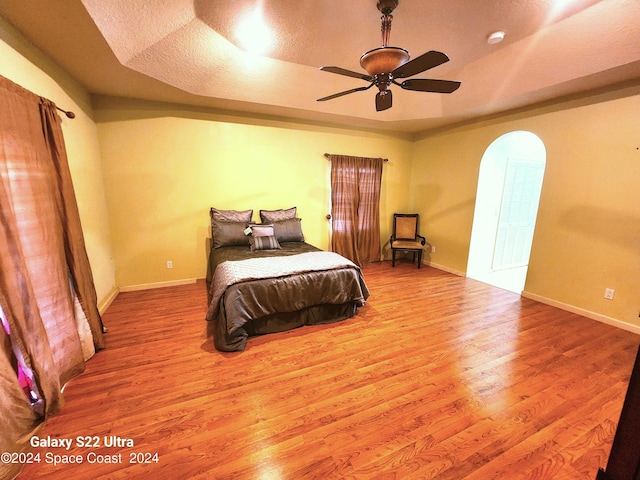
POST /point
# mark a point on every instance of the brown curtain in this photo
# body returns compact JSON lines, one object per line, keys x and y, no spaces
{"x":42,"y":261}
{"x":355,"y":207}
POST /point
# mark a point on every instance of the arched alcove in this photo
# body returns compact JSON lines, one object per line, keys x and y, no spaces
{"x":509,"y":186}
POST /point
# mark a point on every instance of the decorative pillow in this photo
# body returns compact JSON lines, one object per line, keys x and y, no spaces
{"x":226,"y":234}
{"x":265,"y":242}
{"x":270,"y":216}
{"x":230,"y":215}
{"x":289,"y":230}
{"x":262,"y":230}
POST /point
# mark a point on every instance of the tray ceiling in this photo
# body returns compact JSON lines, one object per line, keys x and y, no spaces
{"x":190,"y":52}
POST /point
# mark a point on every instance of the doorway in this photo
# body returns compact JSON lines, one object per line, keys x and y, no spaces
{"x":509,"y":186}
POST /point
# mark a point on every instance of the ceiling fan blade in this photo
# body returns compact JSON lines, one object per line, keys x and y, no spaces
{"x":346,"y":92}
{"x":420,"y":64}
{"x":383,"y":100}
{"x":430,"y":85}
{"x":348,"y":73}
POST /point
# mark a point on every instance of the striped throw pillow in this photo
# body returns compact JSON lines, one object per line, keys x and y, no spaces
{"x":267,"y":242}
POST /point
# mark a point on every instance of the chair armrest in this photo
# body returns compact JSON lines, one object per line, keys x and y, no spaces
{"x":423,"y":240}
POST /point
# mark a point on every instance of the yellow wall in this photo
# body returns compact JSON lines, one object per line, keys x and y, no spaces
{"x":164,"y":167}
{"x":24,"y":65}
{"x":587,"y":235}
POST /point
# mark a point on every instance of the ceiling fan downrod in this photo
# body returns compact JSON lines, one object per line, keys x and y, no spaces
{"x":386,"y":7}
{"x":382,"y":61}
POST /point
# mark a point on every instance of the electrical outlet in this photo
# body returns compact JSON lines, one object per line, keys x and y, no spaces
{"x":433,"y":249}
{"x":169,"y":264}
{"x":608,"y":293}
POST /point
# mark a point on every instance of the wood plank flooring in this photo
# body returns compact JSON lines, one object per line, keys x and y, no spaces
{"x":437,"y":376}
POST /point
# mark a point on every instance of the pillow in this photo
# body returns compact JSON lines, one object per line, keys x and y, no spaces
{"x":230,"y":215}
{"x":226,"y":234}
{"x":289,"y":230}
{"x":266,"y":242}
{"x":262,"y":230}
{"x":270,"y":216}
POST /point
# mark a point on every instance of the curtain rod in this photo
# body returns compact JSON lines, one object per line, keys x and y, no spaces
{"x":69,"y":113}
{"x":328,"y":155}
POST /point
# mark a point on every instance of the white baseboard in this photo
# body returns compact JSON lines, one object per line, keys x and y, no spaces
{"x":147,"y":286}
{"x":562,"y":306}
{"x":585,"y":313}
{"x":444,"y":269}
{"x":102,"y":307}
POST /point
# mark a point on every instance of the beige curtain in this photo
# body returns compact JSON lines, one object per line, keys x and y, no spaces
{"x":355,"y":207}
{"x":42,"y":258}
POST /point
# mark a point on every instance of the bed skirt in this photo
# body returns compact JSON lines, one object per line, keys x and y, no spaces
{"x":278,"y":322}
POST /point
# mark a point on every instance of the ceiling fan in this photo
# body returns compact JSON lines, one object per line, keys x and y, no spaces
{"x":385,"y":64}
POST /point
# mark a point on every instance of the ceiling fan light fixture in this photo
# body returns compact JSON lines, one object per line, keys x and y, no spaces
{"x":383,"y":60}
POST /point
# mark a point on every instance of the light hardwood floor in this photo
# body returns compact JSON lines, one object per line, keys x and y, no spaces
{"x":438,"y":376}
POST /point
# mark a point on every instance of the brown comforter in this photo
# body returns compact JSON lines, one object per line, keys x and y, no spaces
{"x":302,"y":285}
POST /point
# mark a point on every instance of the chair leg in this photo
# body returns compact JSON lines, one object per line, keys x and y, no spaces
{"x":419,"y":258}
{"x":393,"y":258}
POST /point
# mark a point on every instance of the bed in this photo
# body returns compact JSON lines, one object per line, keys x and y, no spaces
{"x":264,"y":278}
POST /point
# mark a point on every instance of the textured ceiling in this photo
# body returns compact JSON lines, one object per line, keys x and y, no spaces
{"x":188,"y":51}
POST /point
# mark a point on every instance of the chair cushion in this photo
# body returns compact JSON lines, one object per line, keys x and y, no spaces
{"x":406,"y":227}
{"x":407,"y":244}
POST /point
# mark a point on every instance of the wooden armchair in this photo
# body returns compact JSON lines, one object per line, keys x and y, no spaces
{"x":405,"y":237}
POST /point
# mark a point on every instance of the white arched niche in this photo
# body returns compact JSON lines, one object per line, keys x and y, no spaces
{"x":509,"y":186}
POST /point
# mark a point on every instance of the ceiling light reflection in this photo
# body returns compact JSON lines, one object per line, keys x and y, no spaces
{"x":253,"y":33}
